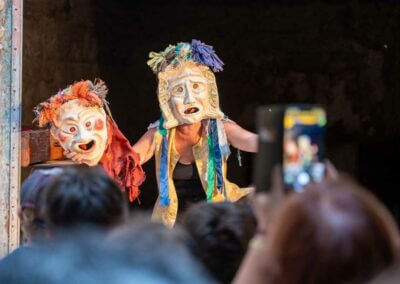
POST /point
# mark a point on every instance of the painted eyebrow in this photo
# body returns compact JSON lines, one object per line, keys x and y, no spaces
{"x":191,"y":81}
{"x":170,"y":87}
{"x":189,"y":75}
{"x":71,"y":118}
{"x":86,"y":114}
{"x":198,"y":81}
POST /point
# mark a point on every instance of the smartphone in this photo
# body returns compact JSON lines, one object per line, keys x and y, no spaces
{"x":291,"y":136}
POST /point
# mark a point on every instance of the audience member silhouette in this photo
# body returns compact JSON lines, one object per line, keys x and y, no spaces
{"x":83,"y":196}
{"x":335,"y":232}
{"x":221,"y":233}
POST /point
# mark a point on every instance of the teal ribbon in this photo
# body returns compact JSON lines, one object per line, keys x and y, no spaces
{"x":210,"y":169}
{"x":217,"y":154}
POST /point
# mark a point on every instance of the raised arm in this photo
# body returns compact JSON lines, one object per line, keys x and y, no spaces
{"x":241,"y":138}
{"x":145,"y":146}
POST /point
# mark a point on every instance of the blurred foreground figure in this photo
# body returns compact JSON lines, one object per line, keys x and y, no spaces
{"x":146,"y":236}
{"x":87,"y":258}
{"x":32,"y":223}
{"x":221,"y":233}
{"x":83,"y":196}
{"x":335,"y":232}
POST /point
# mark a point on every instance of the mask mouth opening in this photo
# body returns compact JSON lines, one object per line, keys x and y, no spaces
{"x":87,"y":146}
{"x":191,"y":110}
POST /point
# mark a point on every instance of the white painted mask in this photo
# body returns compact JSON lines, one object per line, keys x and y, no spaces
{"x":81,"y":130}
{"x":188,"y":91}
{"x":188,"y":94}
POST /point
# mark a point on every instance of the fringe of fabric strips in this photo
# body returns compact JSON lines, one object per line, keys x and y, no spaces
{"x":216,"y":154}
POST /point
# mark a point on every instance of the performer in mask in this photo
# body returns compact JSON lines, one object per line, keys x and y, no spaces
{"x":80,"y":120}
{"x":191,"y":140}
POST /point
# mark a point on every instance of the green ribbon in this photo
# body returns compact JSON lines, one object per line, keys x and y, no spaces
{"x":210,"y":169}
{"x":161,"y":128}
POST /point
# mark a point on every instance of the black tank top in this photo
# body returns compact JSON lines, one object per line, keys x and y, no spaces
{"x":188,"y":186}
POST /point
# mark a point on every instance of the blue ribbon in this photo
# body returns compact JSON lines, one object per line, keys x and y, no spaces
{"x":164,"y":182}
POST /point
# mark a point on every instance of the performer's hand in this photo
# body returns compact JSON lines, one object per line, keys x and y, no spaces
{"x":74,"y":156}
{"x":264,"y":204}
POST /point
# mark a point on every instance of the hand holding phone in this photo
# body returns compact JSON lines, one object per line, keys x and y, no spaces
{"x":292,"y":136}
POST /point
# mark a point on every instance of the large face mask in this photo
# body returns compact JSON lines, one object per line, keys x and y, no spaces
{"x":81,"y":130}
{"x":188,"y":91}
{"x":188,"y":94}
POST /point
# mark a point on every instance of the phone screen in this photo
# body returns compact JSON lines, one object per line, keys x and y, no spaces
{"x":303,"y":146}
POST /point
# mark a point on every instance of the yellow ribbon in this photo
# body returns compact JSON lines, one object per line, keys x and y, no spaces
{"x":158,"y":58}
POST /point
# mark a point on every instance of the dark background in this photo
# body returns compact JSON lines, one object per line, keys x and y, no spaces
{"x":344,"y":55}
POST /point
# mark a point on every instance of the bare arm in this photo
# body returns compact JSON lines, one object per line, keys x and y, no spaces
{"x":241,"y":138}
{"x":145,"y":146}
{"x":255,"y":265}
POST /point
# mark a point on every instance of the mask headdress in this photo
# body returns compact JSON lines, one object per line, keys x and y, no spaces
{"x":88,"y":93}
{"x":195,"y":54}
{"x":175,"y":55}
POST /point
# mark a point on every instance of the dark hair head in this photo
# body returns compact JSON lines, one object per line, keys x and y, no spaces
{"x":86,"y":257}
{"x":221,"y":233}
{"x":84,"y":196}
{"x":156,"y":232}
{"x":32,"y":224}
{"x":334,"y":232}
{"x":147,"y":239}
{"x":33,"y":185}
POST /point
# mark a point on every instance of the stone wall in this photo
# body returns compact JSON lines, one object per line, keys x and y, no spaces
{"x":60,"y":46}
{"x":341,"y":54}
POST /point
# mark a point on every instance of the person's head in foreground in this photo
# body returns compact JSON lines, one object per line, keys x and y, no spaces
{"x":32,"y":223}
{"x":155,"y":233}
{"x":221,"y":233}
{"x":83,"y":196}
{"x":335,"y":232}
{"x":87,"y":258}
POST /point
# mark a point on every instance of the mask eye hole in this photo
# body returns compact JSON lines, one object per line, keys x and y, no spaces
{"x":178,"y":90}
{"x":88,"y":124}
{"x":72,"y":129}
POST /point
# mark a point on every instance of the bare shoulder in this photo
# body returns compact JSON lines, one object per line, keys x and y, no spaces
{"x":239,"y":137}
{"x":231,"y":126}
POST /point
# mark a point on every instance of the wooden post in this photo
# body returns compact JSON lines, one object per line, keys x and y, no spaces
{"x":10,"y":121}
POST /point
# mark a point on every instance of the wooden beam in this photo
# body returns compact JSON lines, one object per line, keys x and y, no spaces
{"x":39,"y":146}
{"x":10,"y":121}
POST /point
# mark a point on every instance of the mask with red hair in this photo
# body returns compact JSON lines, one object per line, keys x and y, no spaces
{"x":80,"y":120}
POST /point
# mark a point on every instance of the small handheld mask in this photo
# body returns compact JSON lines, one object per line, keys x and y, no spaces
{"x":77,"y":120}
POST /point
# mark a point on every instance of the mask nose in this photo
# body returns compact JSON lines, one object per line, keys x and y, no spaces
{"x":188,"y":99}
{"x":83,"y":137}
